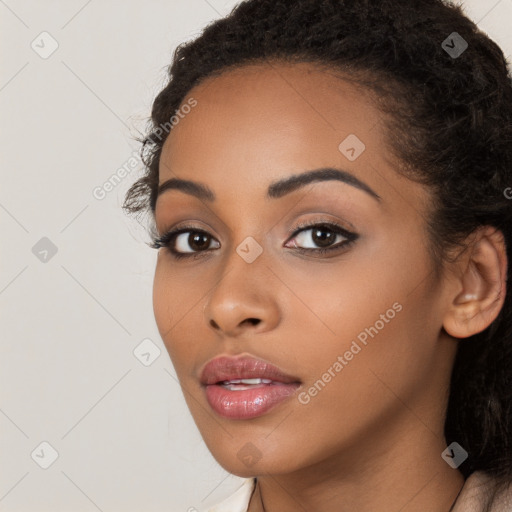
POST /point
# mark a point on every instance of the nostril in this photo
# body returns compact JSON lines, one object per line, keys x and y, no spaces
{"x":252,"y":321}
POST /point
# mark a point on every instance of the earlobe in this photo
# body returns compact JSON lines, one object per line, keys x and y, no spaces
{"x":482,"y":277}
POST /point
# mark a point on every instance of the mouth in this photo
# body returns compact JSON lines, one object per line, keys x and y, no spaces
{"x":245,"y":387}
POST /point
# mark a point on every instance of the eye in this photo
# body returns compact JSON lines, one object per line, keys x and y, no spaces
{"x":321,"y":237}
{"x":185,"y":242}
{"x":197,"y":240}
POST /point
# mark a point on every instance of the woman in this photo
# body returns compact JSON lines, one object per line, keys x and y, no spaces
{"x":328,"y":184}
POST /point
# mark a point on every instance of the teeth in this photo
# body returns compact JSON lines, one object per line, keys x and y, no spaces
{"x":247,"y":382}
{"x":251,"y":381}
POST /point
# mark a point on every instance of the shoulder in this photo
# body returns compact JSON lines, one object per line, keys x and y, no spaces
{"x":239,"y":501}
{"x":478,"y":495}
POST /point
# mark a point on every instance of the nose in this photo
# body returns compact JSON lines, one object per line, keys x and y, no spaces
{"x":243,"y":300}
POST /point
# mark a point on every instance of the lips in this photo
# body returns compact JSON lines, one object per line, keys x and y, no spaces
{"x":232,"y":368}
{"x":245,"y":387}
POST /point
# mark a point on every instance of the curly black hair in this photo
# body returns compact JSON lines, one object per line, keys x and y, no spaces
{"x":448,"y":120}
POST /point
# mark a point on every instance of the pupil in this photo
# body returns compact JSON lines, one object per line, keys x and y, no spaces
{"x":322,"y":241}
{"x":194,"y":241}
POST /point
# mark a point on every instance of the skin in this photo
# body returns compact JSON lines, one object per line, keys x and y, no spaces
{"x":372,"y":438}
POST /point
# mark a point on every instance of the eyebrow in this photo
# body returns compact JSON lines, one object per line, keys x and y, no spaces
{"x":276,"y":189}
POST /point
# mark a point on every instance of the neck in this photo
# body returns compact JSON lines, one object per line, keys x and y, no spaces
{"x":368,"y":478}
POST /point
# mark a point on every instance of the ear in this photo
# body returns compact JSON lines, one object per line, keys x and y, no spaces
{"x":481,"y":284}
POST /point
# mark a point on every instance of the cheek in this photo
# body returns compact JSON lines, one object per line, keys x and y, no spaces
{"x":174,"y":302}
{"x":368,"y":326}
{"x":164,"y":300}
{"x":360,"y":299}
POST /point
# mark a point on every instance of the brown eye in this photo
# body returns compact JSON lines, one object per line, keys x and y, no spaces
{"x":320,"y":235}
{"x":192,"y":241}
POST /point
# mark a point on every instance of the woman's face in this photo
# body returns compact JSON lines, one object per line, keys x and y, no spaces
{"x":355,"y":330}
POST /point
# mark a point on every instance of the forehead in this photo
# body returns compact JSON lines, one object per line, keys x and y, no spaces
{"x":260,"y":121}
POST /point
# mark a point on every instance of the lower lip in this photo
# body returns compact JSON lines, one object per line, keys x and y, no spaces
{"x":249,"y":403}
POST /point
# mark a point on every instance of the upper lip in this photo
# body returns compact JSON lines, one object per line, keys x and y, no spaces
{"x":226,"y":368}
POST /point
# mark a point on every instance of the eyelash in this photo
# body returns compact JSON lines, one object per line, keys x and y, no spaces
{"x":168,"y":239}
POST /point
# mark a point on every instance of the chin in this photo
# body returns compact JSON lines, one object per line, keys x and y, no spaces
{"x":246,"y":458}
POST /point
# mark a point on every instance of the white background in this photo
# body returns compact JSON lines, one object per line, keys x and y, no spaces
{"x":124,"y":436}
